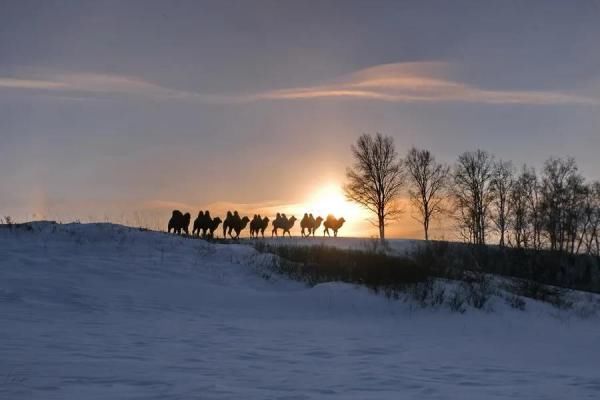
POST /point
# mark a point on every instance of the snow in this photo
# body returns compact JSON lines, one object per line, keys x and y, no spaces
{"x":100,"y":311}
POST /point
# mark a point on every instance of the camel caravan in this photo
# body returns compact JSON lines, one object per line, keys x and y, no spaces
{"x":205,"y":226}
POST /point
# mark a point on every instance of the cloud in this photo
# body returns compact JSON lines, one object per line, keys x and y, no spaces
{"x":93,"y":84}
{"x":419,"y":82}
{"x":16,"y":83}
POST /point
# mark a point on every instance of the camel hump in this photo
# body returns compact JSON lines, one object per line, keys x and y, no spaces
{"x":177,"y":213}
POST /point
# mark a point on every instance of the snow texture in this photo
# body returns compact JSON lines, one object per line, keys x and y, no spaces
{"x":99,"y":311}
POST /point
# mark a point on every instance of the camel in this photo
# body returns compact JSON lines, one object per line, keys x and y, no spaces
{"x":283,"y":223}
{"x":197,"y":224}
{"x":333,"y":224}
{"x":202,"y":224}
{"x":238,"y":225}
{"x":276,"y":221}
{"x":258,"y":225}
{"x":254,"y":225}
{"x":264,"y":223}
{"x":305,"y":223}
{"x":231,"y":221}
{"x":316,"y":224}
{"x":179,"y":222}
{"x":311,"y":224}
{"x":227,"y":224}
{"x":212,"y":227}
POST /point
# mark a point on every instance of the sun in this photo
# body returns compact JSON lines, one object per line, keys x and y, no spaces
{"x":330,"y":199}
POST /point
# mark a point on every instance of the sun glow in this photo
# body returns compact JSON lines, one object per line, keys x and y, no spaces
{"x":330,"y":199}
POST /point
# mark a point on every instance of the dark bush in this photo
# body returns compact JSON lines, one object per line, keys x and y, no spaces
{"x":538,"y":291}
{"x":580,"y":272}
{"x":316,"y":264}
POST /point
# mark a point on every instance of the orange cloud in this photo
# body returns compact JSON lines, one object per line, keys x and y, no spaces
{"x":419,"y":82}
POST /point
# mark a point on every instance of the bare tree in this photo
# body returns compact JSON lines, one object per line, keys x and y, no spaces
{"x":590,"y":221}
{"x":376,"y":178}
{"x":501,"y":186}
{"x":563,"y":193}
{"x":427,"y":181}
{"x":592,"y":232}
{"x":521,"y":214}
{"x":472,"y":194}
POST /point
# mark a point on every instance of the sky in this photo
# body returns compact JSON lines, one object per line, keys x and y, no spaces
{"x":124,"y":110}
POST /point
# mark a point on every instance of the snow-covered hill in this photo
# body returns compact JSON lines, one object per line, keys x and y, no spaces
{"x":100,"y":311}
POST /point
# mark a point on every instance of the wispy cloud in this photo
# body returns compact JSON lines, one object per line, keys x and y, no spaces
{"x":92,"y":83}
{"x":423,"y":82}
{"x":419,"y":82}
{"x":87,"y":86}
{"x":18,"y":83}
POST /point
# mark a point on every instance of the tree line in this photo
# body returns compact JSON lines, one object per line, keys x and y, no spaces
{"x":489,"y":199}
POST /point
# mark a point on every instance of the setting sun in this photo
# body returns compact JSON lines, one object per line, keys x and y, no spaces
{"x":330,"y":199}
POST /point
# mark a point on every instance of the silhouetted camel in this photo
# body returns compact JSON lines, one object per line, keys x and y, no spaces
{"x":309,"y":223}
{"x":257,"y":225}
{"x":212,"y":227}
{"x":206,"y":222}
{"x":198,"y":224}
{"x":260,"y":225}
{"x":227,"y":224}
{"x":253,"y":227}
{"x":234,"y":221}
{"x":238,"y":225}
{"x":179,"y":222}
{"x":333,"y":224}
{"x":202,"y":223}
{"x":305,"y":224}
{"x":276,"y":221}
{"x":316,"y":223}
{"x":283,"y":223}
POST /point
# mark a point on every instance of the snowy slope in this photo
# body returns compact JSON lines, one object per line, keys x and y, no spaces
{"x":101,"y":311}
